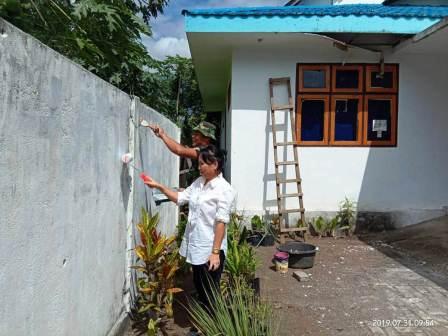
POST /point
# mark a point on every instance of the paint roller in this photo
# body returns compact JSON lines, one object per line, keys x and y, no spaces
{"x":127,"y":159}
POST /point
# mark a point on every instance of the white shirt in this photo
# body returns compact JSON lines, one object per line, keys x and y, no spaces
{"x":208,"y":204}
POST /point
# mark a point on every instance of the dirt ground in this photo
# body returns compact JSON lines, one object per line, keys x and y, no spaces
{"x":390,"y":283}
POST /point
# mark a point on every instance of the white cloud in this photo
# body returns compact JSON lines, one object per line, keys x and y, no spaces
{"x":168,"y":29}
{"x":167,"y":46}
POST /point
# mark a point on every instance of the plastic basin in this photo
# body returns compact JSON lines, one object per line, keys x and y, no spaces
{"x":301,"y":255}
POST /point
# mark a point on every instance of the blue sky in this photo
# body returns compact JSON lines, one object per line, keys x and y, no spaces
{"x":169,"y":32}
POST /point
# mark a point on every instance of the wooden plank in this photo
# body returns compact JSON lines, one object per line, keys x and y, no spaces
{"x":292,"y":210}
{"x":289,"y":181}
{"x":289,"y":143}
{"x":281,"y":80}
{"x":285,"y":163}
{"x":291,"y":195}
{"x":282,"y":107}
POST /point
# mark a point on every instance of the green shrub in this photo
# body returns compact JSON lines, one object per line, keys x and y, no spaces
{"x":156,"y":264}
{"x":320,"y":226}
{"x":257,"y":223}
{"x":235,"y":229}
{"x":240,"y":261}
{"x":346,"y":215}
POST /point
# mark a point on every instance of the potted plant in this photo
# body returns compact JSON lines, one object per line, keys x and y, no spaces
{"x":262,"y":232}
{"x":156,"y":266}
{"x":241,"y":261}
{"x":256,"y":233}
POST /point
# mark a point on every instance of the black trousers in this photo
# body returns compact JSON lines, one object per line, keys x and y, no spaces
{"x":204,"y":280}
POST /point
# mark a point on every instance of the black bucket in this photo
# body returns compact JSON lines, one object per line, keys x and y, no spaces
{"x":301,"y":255}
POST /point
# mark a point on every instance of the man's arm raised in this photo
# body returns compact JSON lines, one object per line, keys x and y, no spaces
{"x":174,"y":146}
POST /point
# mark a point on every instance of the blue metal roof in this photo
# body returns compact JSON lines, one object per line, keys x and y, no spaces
{"x":339,"y":10}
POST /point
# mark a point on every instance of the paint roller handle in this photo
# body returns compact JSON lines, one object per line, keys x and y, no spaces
{"x":158,"y":131}
{"x":155,"y":128}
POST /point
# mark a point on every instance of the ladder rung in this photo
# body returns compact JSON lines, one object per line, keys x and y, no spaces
{"x":279,"y":80}
{"x":291,"y":195}
{"x":281,"y":107}
{"x":284,"y":163}
{"x":292,"y":210}
{"x":289,"y":181}
{"x":285,"y":143}
{"x":293,"y":229}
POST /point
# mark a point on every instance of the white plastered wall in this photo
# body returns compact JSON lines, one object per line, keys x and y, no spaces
{"x":67,"y":202}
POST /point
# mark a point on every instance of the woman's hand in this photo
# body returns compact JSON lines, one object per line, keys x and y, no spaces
{"x":213,"y":262}
{"x":149,"y":181}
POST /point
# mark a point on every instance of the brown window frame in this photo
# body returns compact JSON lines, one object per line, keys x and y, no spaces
{"x":359,"y":115}
{"x":326,"y":68}
{"x":335,"y":68}
{"x":393,"y":120}
{"x":333,"y":94}
{"x":326,"y":99}
{"x":387,"y":68}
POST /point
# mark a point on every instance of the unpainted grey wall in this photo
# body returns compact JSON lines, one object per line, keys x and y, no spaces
{"x":66,"y":200}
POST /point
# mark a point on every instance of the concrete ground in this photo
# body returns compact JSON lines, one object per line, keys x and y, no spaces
{"x":391,"y":283}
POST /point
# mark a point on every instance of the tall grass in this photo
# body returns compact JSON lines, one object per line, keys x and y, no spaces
{"x":240,"y":313}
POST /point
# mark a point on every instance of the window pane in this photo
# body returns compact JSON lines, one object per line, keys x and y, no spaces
{"x":379,"y":119}
{"x":385,"y":81}
{"x":347,"y":79}
{"x":346,"y":120}
{"x":314,"y":79}
{"x":312,"y":120}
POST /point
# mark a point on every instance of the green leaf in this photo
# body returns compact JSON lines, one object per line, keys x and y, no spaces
{"x":81,"y":44}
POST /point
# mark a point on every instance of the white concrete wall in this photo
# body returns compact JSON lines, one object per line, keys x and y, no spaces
{"x":410,"y":178}
{"x":153,"y":157}
{"x":64,"y":193}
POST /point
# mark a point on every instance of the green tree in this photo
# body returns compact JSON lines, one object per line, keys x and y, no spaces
{"x":174,"y":92}
{"x":104,"y":36}
{"x":101,"y":35}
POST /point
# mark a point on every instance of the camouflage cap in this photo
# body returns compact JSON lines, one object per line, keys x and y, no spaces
{"x":206,"y":129}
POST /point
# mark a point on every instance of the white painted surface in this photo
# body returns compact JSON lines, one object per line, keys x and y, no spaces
{"x":410,"y":177}
{"x":64,"y":192}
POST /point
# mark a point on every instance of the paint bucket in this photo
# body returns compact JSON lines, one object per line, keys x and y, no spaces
{"x":281,"y":262}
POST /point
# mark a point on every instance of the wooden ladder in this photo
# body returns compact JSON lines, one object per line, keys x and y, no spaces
{"x":281,"y":198}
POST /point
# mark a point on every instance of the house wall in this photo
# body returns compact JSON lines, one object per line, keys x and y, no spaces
{"x":227,"y":117}
{"x":407,"y":182}
{"x":67,"y":202}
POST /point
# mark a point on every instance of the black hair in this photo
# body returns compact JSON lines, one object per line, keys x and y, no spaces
{"x":211,"y":154}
